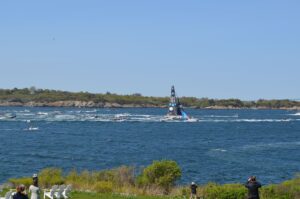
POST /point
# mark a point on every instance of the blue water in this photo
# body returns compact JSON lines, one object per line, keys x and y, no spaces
{"x":224,"y":146}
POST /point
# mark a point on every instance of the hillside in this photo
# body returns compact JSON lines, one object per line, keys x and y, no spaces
{"x":45,"y":97}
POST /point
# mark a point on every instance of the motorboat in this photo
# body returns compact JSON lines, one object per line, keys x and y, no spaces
{"x":30,"y":127}
{"x":120,"y":117}
{"x":8,"y":116}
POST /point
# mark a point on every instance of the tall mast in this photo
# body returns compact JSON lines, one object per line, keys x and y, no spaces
{"x":173,"y":106}
{"x":173,"y":96}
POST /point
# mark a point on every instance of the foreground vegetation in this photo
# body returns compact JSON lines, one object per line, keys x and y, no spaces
{"x":158,"y":180}
{"x":43,"y":96}
{"x":83,"y":195}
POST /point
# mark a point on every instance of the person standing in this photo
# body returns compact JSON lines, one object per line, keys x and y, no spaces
{"x":193,"y":191}
{"x":34,"y":188}
{"x":20,"y":193}
{"x":252,"y":185}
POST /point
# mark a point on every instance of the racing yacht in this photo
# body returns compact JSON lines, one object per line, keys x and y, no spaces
{"x":175,"y":110}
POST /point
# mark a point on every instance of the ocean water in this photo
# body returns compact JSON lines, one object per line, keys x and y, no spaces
{"x":224,"y":146}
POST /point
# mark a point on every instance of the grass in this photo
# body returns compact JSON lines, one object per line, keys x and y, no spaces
{"x":287,"y":190}
{"x":86,"y":195}
{"x":83,"y":195}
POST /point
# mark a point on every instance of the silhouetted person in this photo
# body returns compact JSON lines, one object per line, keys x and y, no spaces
{"x":193,"y":191}
{"x":252,"y":185}
{"x":20,"y":193}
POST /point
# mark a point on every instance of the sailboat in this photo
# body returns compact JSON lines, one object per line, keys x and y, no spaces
{"x":175,"y":110}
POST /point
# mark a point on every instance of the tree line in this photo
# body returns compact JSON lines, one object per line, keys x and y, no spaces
{"x":33,"y":94}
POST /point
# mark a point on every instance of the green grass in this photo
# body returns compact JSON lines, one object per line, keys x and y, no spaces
{"x":82,"y":195}
{"x":86,"y":195}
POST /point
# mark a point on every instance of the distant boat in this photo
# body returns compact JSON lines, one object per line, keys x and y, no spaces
{"x":31,"y":128}
{"x":176,"y":111}
{"x":8,"y":116}
{"x":120,"y":117}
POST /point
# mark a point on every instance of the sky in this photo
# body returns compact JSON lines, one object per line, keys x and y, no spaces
{"x":206,"y":48}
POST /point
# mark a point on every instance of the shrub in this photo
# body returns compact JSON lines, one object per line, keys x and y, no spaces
{"x":105,"y":175}
{"x":160,"y":173}
{"x":27,"y":181}
{"x":103,"y":187}
{"x":287,"y":190}
{"x":124,"y":176}
{"x":72,"y":177}
{"x":86,"y":180}
{"x":50,"y":176}
{"x":228,"y":191}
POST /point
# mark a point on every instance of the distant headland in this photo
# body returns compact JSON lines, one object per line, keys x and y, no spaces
{"x":33,"y":97}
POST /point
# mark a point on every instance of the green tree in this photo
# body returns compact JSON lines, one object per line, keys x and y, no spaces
{"x":162,"y":173}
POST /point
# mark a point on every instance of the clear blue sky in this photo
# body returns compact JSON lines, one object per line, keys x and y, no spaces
{"x":206,"y":48}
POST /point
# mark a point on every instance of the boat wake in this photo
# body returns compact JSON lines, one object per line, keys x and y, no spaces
{"x":267,"y":146}
{"x":295,"y":114}
{"x":32,"y":129}
{"x":222,"y":116}
{"x":250,"y":120}
{"x":117,"y":116}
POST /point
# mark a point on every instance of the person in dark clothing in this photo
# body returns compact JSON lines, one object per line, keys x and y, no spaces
{"x":193,"y":190}
{"x":252,"y":185}
{"x":20,"y":193}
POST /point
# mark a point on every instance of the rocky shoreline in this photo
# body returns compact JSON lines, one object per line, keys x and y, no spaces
{"x":91,"y":104}
{"x":78,"y":104}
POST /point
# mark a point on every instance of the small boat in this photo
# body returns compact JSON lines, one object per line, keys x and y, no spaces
{"x":120,"y":117}
{"x":7,"y":116}
{"x":176,"y":111}
{"x":31,"y":128}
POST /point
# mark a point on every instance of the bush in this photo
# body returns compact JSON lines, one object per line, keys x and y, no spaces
{"x":72,"y":178}
{"x":103,"y":187}
{"x":287,"y":190}
{"x":160,"y":173}
{"x":27,"y":181}
{"x":124,"y":176}
{"x":228,"y":191}
{"x":50,"y":176}
{"x":81,"y":181}
{"x":86,"y":180}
